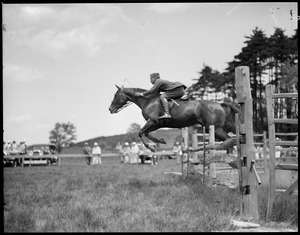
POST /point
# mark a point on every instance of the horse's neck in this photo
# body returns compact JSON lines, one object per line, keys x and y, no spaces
{"x":139,"y":101}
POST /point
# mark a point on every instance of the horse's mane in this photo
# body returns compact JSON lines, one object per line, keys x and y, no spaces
{"x":140,"y":90}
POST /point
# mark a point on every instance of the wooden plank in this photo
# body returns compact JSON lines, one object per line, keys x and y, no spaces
{"x":291,"y":189}
{"x":287,"y":134}
{"x":286,"y":120}
{"x":284,"y":95}
{"x":290,"y":167}
{"x":258,"y":135}
{"x":271,"y":129}
{"x":282,"y":191}
{"x":286,"y":143}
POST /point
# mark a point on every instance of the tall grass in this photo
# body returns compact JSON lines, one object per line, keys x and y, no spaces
{"x":115,"y":197}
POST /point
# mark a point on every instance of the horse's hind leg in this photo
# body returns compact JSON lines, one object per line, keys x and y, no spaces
{"x":223,"y":136}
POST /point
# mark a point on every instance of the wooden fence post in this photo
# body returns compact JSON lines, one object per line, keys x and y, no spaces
{"x":212,"y":153}
{"x":247,"y":150}
{"x":266,"y":168}
{"x":271,"y":129}
{"x":185,"y":140}
{"x":195,"y":144}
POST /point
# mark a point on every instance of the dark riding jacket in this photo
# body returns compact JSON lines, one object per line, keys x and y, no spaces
{"x":161,"y":85}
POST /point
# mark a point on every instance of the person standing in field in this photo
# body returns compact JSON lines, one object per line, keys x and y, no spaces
{"x":120,"y":151}
{"x":96,"y":151}
{"x":22,"y":148}
{"x":134,"y":153}
{"x":87,"y":150}
{"x":14,"y":148}
{"x":178,"y":152}
{"x":126,"y":151}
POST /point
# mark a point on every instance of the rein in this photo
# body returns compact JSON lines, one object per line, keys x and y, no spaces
{"x":124,"y":106}
{"x":129,"y":93}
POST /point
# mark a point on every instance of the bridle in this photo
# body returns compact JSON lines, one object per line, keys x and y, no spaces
{"x":123,"y":106}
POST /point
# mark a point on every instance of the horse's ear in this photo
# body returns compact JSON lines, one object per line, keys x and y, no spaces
{"x":118,"y":87}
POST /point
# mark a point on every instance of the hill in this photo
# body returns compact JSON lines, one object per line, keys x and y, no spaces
{"x":109,"y":143}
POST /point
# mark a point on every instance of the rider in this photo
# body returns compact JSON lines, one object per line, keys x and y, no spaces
{"x":174,"y":90}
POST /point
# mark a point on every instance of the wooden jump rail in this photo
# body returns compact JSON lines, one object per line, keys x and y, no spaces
{"x":270,"y":95}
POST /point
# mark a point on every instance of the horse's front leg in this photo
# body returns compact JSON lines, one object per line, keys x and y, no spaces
{"x":151,"y":137}
{"x":144,"y":132}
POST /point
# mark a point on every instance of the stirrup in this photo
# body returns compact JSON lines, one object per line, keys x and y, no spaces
{"x":166,"y":115}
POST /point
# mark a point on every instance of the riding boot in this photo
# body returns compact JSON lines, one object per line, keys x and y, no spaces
{"x":165,"y":105}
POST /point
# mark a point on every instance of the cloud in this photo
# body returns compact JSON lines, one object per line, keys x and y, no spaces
{"x":36,"y":12}
{"x":20,"y":119}
{"x":21,"y":73}
{"x":66,"y":30}
{"x":164,"y":8}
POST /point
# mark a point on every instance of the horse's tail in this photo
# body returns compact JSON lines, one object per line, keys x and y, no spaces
{"x":230,"y":110}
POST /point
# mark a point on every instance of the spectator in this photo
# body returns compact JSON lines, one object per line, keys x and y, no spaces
{"x":134,"y":152}
{"x":96,"y":151}
{"x":22,"y":148}
{"x":120,"y":151}
{"x":119,"y":147}
{"x":178,"y":152}
{"x":14,"y":148}
{"x":4,"y":149}
{"x":87,"y":150}
{"x":8,"y":148}
{"x":126,"y":151}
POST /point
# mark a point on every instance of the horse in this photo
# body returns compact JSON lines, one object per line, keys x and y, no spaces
{"x":184,"y":113}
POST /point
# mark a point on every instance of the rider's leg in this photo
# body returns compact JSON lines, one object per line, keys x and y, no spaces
{"x":171,"y":94}
{"x":165,"y":106}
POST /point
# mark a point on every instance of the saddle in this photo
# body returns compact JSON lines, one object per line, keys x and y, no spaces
{"x":173,"y":102}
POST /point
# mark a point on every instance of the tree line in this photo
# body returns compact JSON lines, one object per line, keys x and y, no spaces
{"x":272,"y":60}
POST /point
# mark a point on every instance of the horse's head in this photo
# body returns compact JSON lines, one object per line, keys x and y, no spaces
{"x":119,"y":102}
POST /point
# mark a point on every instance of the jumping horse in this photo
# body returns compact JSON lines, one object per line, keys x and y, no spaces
{"x":184,"y":113}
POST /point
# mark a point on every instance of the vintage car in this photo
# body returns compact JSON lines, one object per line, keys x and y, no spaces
{"x":43,"y":151}
{"x":10,"y":161}
{"x":146,"y":156}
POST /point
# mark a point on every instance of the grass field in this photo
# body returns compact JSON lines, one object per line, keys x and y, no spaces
{"x":115,"y":197}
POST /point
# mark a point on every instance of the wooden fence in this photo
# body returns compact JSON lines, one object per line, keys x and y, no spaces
{"x":270,"y":95}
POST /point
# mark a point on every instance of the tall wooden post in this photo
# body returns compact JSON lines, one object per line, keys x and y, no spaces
{"x":266,"y":164}
{"x":195,"y":144}
{"x":246,"y":144}
{"x":271,"y":128}
{"x":212,"y":153}
{"x":185,"y":140}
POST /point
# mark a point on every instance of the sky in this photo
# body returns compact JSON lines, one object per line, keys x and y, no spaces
{"x":61,"y":61}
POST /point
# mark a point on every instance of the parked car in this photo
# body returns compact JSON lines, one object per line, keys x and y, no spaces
{"x":10,"y":161}
{"x":146,"y":156}
{"x":42,"y":150}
